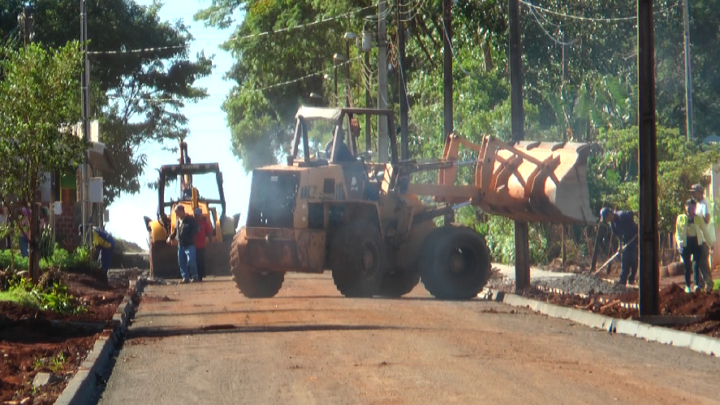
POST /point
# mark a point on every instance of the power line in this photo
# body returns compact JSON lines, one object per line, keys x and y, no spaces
{"x":299,"y":79}
{"x":139,"y":50}
{"x":557,"y":41}
{"x":266,"y":33}
{"x":156,"y":49}
{"x":272,"y":86}
{"x":581,"y":18}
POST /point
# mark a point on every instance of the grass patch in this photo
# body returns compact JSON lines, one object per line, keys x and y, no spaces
{"x":717,"y":285}
{"x":20,"y":297}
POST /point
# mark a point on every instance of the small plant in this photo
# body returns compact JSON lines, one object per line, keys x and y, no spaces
{"x":57,"y":363}
{"x":39,"y":363}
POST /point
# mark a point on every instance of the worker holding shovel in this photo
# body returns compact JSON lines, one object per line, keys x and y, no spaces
{"x":623,"y":224}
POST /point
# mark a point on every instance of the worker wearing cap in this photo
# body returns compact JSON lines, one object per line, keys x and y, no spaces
{"x":703,"y":210}
{"x":623,"y":225}
{"x":185,"y":230}
{"x":104,"y":243}
{"x":205,"y":230}
{"x":690,"y":235}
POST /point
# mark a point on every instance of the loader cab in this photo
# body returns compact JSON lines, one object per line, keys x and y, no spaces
{"x":346,"y":133}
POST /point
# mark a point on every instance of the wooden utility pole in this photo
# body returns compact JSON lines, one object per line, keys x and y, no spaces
{"x":85,"y":123}
{"x":448,"y":126}
{"x":649,"y":243}
{"x":522,"y":245}
{"x":402,"y":81}
{"x":383,"y":141}
{"x":447,"y":68}
{"x":368,"y":103}
{"x":688,"y":72}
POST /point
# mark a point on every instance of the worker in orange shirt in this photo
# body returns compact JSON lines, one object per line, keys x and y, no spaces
{"x":204,"y":230}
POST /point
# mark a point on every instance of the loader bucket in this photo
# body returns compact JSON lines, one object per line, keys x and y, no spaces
{"x":535,"y":181}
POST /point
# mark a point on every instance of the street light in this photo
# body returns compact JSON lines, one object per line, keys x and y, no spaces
{"x":337,"y":58}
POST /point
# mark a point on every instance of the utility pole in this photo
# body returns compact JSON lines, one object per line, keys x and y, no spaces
{"x":382,"y":82}
{"x":649,"y":240}
{"x":347,"y":74}
{"x":688,"y":72}
{"x":26,"y":21}
{"x":404,"y":152}
{"x":448,"y":126}
{"x":85,"y":123}
{"x":368,"y":104}
{"x":522,"y":246}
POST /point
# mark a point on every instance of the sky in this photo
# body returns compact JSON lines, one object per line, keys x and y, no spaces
{"x":209,"y":139}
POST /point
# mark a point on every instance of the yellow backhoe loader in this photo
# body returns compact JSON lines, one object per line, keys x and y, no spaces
{"x":374,"y":228}
{"x":163,"y":256}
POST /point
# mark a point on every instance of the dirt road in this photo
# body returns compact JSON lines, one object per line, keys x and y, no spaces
{"x":205,"y":343}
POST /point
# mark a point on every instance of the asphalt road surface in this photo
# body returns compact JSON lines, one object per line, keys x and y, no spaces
{"x":207,"y":344}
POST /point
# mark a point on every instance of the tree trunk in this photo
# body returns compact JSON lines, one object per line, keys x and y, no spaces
{"x":34,"y":244}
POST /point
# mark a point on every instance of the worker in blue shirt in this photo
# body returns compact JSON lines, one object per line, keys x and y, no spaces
{"x":624,"y":227}
{"x":104,"y":243}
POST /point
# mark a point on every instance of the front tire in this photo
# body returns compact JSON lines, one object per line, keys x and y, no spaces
{"x":456,"y":263}
{"x":357,"y":259}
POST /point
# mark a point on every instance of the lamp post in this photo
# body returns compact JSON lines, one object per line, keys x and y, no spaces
{"x":337,"y":58}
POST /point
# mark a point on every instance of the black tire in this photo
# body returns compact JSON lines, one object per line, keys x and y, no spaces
{"x":252,"y":282}
{"x":395,"y":284}
{"x":357,"y":259}
{"x":455,"y":264}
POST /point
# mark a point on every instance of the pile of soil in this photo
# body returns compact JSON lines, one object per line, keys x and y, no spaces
{"x":30,"y":339}
{"x":673,"y":301}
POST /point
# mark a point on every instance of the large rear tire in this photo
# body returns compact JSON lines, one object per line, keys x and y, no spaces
{"x":252,"y":282}
{"x":397,"y":283}
{"x":455,"y":264}
{"x":357,"y":259}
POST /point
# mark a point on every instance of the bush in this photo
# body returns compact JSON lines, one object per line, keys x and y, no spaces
{"x":54,"y":298}
{"x":60,"y":259}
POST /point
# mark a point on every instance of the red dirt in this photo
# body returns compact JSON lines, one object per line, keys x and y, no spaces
{"x":27,"y":336}
{"x":673,"y":301}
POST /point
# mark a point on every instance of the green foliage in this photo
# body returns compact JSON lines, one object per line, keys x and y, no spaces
{"x":54,"y":364}
{"x":136,"y":95}
{"x":20,"y":297}
{"x":59,"y":260}
{"x":55,"y":298}
{"x":613,"y":174}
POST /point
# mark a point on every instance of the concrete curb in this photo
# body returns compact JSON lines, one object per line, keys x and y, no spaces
{"x":82,"y":386}
{"x":692,"y":341}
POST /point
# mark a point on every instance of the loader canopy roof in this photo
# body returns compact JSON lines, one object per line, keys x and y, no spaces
{"x":316,"y":113}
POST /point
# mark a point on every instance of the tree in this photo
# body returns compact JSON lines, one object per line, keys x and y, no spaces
{"x":38,"y":98}
{"x":137,"y":96}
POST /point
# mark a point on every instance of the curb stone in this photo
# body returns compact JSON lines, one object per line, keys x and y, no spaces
{"x":698,"y":343}
{"x":82,"y":386}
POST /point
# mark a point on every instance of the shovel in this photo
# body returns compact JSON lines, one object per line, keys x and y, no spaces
{"x":597,"y":273}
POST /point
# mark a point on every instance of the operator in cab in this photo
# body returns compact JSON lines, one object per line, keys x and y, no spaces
{"x":343,"y":153}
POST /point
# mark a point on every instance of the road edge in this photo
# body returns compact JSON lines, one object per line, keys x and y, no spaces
{"x":81,"y":388}
{"x":672,"y":337}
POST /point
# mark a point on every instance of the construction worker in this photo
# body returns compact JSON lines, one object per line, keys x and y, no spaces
{"x":690,"y":235}
{"x":104,"y":243}
{"x":342,"y":154}
{"x":623,"y":225}
{"x":703,"y":210}
{"x":204,"y":230}
{"x":185,"y":230}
